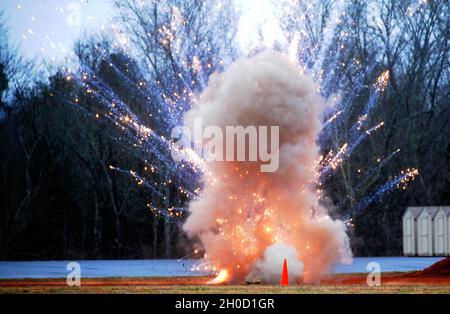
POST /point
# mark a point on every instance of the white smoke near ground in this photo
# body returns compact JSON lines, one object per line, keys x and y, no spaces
{"x":268,"y":268}
{"x":247,"y":219}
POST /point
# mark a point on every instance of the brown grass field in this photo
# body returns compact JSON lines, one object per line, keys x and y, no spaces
{"x":392,"y":283}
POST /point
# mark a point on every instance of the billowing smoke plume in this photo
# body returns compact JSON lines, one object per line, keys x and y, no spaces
{"x":246,"y":219}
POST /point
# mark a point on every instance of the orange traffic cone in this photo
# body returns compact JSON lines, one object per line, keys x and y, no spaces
{"x":285,"y":275}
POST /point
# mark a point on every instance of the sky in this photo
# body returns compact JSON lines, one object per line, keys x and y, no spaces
{"x":47,"y":29}
{"x":258,"y":14}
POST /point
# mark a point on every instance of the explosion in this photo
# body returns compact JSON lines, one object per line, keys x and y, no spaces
{"x":248,"y":220}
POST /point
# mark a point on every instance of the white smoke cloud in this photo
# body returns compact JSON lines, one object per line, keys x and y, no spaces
{"x":242,"y":211}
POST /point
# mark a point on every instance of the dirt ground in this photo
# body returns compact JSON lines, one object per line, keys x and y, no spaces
{"x":343,"y":283}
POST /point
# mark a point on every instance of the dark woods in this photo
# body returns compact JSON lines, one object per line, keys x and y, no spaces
{"x":60,"y":198}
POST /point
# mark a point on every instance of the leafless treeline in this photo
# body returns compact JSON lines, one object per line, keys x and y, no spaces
{"x":60,"y":199}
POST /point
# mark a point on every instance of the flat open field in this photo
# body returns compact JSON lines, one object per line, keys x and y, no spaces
{"x":342,"y":283}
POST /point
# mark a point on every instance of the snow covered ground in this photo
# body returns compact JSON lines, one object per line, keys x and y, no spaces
{"x":168,"y":268}
{"x":387,"y":264}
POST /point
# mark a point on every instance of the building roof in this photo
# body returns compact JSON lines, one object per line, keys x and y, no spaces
{"x":415,"y":211}
{"x":445,"y":209}
{"x":432,"y":210}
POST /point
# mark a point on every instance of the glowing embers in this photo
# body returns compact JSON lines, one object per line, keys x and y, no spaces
{"x":221,"y":277}
{"x":405,"y":177}
{"x":382,"y":81}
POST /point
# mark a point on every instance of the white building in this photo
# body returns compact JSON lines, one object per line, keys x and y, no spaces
{"x":410,"y":230}
{"x":441,"y":229}
{"x":425,"y":231}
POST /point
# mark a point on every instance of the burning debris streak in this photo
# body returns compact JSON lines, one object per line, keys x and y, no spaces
{"x":399,"y":182}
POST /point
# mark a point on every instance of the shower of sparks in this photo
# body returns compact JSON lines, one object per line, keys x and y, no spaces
{"x":175,"y":104}
{"x":154,"y":149}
